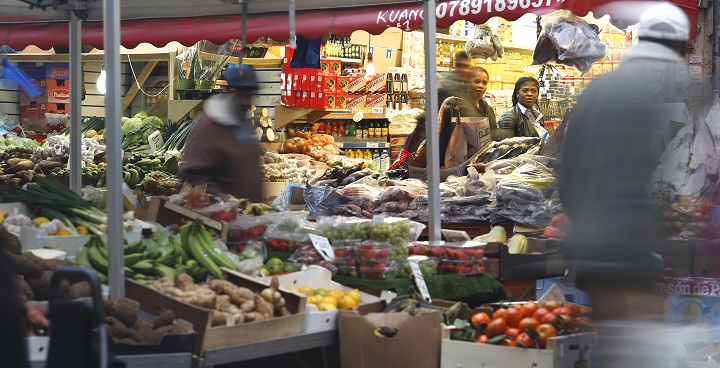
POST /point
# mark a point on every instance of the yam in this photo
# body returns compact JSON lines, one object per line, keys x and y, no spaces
{"x":27,"y":266}
{"x":21,"y":166}
{"x":41,"y":285}
{"x":80,"y":290}
{"x":115,"y":328}
{"x":123,"y":310}
{"x":9,"y":242}
{"x":163,"y":319}
{"x":219,"y":318}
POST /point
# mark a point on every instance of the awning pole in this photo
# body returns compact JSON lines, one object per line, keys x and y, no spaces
{"x":291,"y":16}
{"x":75,"y":103}
{"x":111,"y":25}
{"x":431,"y":124}
{"x":243,"y":26}
{"x":716,"y":48}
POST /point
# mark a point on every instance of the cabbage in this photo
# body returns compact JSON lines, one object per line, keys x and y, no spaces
{"x":132,"y":124}
{"x":142,"y":115}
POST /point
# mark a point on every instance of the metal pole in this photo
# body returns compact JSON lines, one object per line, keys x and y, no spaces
{"x":716,"y":48}
{"x":111,"y":28}
{"x":291,"y":17}
{"x":431,"y":124}
{"x":75,"y":103}
{"x":243,"y":27}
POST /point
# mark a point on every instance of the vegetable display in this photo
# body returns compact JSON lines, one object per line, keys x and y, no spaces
{"x":137,"y":129}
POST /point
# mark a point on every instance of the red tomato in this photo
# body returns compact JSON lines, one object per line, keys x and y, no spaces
{"x":549,"y":318}
{"x":540,"y":313}
{"x":482,"y":339}
{"x":512,"y":332}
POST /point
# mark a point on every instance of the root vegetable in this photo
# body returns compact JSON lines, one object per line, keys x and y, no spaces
{"x":237,"y":314}
{"x":80,"y":290}
{"x":272,"y":295}
{"x":184,"y":282}
{"x":163,"y":319}
{"x":219,"y":318}
{"x":20,"y":166}
{"x":220,"y":300}
{"x":248,"y":306}
{"x":284,"y":312}
{"x":26,"y":290}
{"x":238,"y":295}
{"x":263,"y":307}
{"x":116,"y":328}
{"x":123,"y":310}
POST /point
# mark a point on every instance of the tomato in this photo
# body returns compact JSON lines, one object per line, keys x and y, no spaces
{"x":513,"y":317}
{"x":525,"y":339}
{"x":540,"y":313}
{"x":550,"y":305}
{"x":574,"y":310}
{"x":497,"y":327}
{"x":508,"y":342}
{"x":561,"y":310}
{"x":482,"y":339}
{"x":546,"y":331}
{"x":528,"y":309}
{"x":526,"y":323}
{"x":549,"y":318}
{"x":500,"y":313}
{"x":480,"y":318}
{"x":512,"y":332}
{"x":570,"y":323}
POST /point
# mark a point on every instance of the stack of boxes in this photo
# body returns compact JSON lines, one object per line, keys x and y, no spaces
{"x":53,"y":80}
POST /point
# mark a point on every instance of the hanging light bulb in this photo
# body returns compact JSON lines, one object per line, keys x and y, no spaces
{"x":369,"y":68}
{"x":101,"y":81}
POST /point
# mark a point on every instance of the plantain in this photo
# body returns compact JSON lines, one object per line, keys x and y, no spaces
{"x":97,"y":261}
{"x":213,"y":251}
{"x":197,"y":252}
{"x":164,"y":271}
{"x":82,"y":258}
{"x":131,"y":259}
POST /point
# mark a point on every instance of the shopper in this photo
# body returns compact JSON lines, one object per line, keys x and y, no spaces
{"x":480,"y":81}
{"x":458,"y":83}
{"x":605,"y":171}
{"x":523,"y":119}
{"x":223,"y":151}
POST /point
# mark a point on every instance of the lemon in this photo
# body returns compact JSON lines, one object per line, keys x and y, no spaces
{"x":321,"y":291}
{"x":315,"y":299}
{"x":337,"y":293}
{"x":346,"y":302}
{"x":40,"y":220}
{"x":307,"y":290}
{"x":355,"y":294}
{"x":329,"y":300}
{"x":293,"y":288}
{"x":82,"y":230}
{"x":327,"y":307}
{"x":63,"y":232}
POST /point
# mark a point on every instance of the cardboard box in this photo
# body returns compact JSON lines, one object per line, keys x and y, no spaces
{"x":327,"y":100}
{"x":692,"y":301}
{"x":166,"y":213}
{"x":417,"y":168}
{"x":520,"y":290}
{"x":377,"y":84}
{"x":329,"y":83}
{"x":341,"y":100}
{"x":319,"y":277}
{"x":314,"y":103}
{"x":355,"y":101}
{"x":214,"y":337}
{"x":417,"y":342}
{"x":390,"y":38}
{"x":32,"y":117}
{"x":376,"y":100}
{"x":270,"y":190}
{"x":568,"y":351}
{"x":544,"y":260}
{"x":343,"y":83}
{"x":52,"y":90}
{"x":325,"y":66}
{"x":477,"y":131}
{"x":314,"y":82}
{"x":296,"y":78}
{"x":305,"y":99}
{"x":305,"y":79}
{"x":356,"y":84}
{"x":60,"y":71}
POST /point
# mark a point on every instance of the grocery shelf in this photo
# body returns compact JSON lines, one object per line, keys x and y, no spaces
{"x":286,"y":114}
{"x":363,"y":144}
{"x":508,"y":46}
{"x":346,"y":60}
{"x":269,"y":348}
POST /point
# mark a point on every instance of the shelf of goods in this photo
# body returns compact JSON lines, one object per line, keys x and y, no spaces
{"x":286,"y":114}
{"x":363,"y":144}
{"x":509,"y":47}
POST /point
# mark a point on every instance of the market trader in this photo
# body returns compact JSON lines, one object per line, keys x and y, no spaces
{"x":480,"y":81}
{"x":605,"y":171}
{"x":223,"y":151}
{"x":523,"y":119}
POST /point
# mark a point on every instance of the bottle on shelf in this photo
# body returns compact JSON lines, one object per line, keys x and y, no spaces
{"x":341,"y":129}
{"x":397,"y":85}
{"x":359,"y":130}
{"x":365,"y":130}
{"x":404,"y":82}
{"x":389,"y":82}
{"x":349,"y":153}
{"x":368,"y":154}
{"x":389,"y":101}
{"x":376,"y":158}
{"x":322,"y":128}
{"x":385,"y":129}
{"x":371,"y":130}
{"x":384,"y":160}
{"x":350,"y":128}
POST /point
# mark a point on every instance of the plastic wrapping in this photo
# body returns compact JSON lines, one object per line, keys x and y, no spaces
{"x":568,"y":40}
{"x":484,"y":44}
{"x":282,"y":202}
{"x":309,"y":256}
{"x":244,"y":229}
{"x":226,"y":211}
{"x":323,"y":201}
{"x":307,"y":53}
{"x":687,"y":214}
{"x":287,"y":241}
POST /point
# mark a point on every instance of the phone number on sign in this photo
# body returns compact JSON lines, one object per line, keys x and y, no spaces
{"x":466,"y":7}
{"x":460,"y":8}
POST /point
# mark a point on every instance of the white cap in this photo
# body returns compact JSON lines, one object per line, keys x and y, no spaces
{"x":666,"y":22}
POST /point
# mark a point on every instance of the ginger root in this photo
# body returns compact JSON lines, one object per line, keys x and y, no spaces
{"x":238,"y":295}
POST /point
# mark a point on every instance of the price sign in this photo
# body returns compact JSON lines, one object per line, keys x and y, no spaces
{"x":155,"y":141}
{"x":372,"y":145}
{"x":419,"y":280}
{"x":378,"y":219}
{"x":323,"y":247}
{"x":455,"y":235}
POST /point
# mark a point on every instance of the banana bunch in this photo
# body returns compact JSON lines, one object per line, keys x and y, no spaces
{"x":246,"y":207}
{"x":200,"y":247}
{"x":133,"y":174}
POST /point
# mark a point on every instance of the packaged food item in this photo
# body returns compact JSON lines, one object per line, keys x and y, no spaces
{"x":461,"y":267}
{"x":287,"y":242}
{"x":428,"y":267}
{"x":377,"y":272}
{"x":373,"y":252}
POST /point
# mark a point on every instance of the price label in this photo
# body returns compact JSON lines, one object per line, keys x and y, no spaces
{"x":388,"y":54}
{"x":378,"y":219}
{"x":455,"y":235}
{"x":419,"y":280}
{"x":155,"y":141}
{"x":372,"y":145}
{"x":322,"y":245}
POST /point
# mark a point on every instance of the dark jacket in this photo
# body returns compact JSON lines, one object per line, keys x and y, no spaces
{"x":513,"y":123}
{"x":223,"y":152}
{"x":451,"y":85}
{"x":487,"y":111}
{"x":607,"y":163}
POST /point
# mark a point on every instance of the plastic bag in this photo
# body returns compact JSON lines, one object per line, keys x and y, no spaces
{"x":282,"y":202}
{"x":569,"y":40}
{"x":244,"y":229}
{"x":286,"y":221}
{"x":323,"y":201}
{"x":307,"y":53}
{"x":226,"y":211}
{"x":689,"y":209}
{"x":485,"y":44}
{"x":287,"y":241}
{"x":392,"y":194}
{"x":392,"y":207}
{"x":308,"y":256}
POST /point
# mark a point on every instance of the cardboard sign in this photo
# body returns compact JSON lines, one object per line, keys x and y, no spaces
{"x":477,"y":132}
{"x":322,"y":245}
{"x":420,"y":280}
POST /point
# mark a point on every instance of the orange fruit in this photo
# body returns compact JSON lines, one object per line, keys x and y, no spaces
{"x":551,"y":304}
{"x":497,"y":327}
{"x":508,"y":342}
{"x":512,"y":317}
{"x":528,"y":309}
{"x":480,"y":318}
{"x":549,"y":318}
{"x":546,"y":331}
{"x":526,"y":323}
{"x":540,"y":313}
{"x":482,"y":339}
{"x":512,"y":332}
{"x":499,"y":313}
{"x":525,"y":339}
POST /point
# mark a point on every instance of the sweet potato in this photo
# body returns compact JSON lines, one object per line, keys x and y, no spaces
{"x":163,"y":319}
{"x":80,"y":290}
{"x":123,"y":310}
{"x":20,"y":166}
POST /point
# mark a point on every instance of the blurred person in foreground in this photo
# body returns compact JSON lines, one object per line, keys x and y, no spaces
{"x":604,"y":176}
{"x":480,"y":80}
{"x":223,"y":151}
{"x":523,"y":119}
{"x":458,"y":83}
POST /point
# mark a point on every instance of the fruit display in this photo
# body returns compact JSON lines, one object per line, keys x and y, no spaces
{"x":317,"y":146}
{"x":557,"y":228}
{"x":231,"y":304}
{"x":371,"y":252}
{"x":456,"y":251}
{"x":277,"y":168}
{"x":159,"y":183}
{"x":199,"y":246}
{"x":393,"y":232}
{"x":527,"y":325}
{"x":275,"y":266}
{"x":243,"y":230}
{"x":124,"y":324}
{"x":287,"y":242}
{"x":307,"y":255}
{"x":461,"y":267}
{"x":329,"y":300}
{"x":518,"y":244}
{"x":428,"y":267}
{"x":377,"y":271}
{"x":496,"y":235}
{"x":137,"y":130}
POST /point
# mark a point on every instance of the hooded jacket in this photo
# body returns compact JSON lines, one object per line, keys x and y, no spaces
{"x":223,"y":152}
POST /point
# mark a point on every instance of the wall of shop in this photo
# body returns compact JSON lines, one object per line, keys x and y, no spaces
{"x":93,"y":105}
{"x":694,"y":80}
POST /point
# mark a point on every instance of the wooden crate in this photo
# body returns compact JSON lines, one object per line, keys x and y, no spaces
{"x":165,"y":213}
{"x":210,"y":337}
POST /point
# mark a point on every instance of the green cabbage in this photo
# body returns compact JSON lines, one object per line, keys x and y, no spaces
{"x":142,"y":115}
